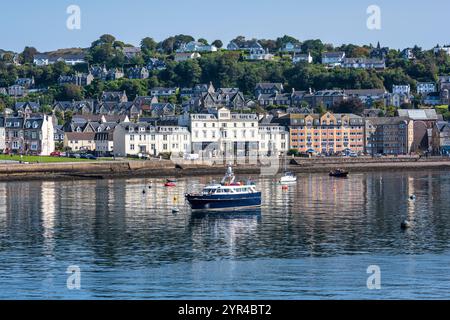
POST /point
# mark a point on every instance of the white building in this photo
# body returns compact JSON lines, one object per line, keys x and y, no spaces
{"x":2,"y":135}
{"x":69,"y":59}
{"x":30,"y":135}
{"x":333,"y":58}
{"x":104,"y":143}
{"x":273,"y":139}
{"x":134,"y":139}
{"x":195,"y":46}
{"x":402,"y":89}
{"x":302,"y":58}
{"x":426,"y":87}
{"x":260,"y":54}
{"x":215,"y":133}
{"x":184,"y":56}
{"x":438,"y":49}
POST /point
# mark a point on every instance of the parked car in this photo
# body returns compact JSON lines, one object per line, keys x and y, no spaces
{"x":75,"y":155}
{"x":55,"y":154}
{"x":88,"y":156}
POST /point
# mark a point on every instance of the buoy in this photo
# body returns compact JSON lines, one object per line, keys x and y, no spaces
{"x":405,"y":225}
{"x":285,"y":188}
{"x":412,"y":197}
{"x":143,"y":191}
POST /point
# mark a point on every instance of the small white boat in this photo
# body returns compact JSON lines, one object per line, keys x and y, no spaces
{"x":287,"y":178}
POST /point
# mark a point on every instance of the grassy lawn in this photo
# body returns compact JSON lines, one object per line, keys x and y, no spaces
{"x":40,"y":159}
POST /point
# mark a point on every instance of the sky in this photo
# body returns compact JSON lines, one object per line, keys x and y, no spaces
{"x":42,"y":23}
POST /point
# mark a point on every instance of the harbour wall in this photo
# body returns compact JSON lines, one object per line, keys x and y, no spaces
{"x":164,"y":168}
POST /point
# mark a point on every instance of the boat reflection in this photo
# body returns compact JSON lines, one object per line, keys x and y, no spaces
{"x":248,"y":214}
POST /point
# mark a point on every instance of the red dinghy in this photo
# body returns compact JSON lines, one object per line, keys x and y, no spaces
{"x":170,"y":183}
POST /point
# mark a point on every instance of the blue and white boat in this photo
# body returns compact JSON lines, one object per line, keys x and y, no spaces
{"x":229,"y":194}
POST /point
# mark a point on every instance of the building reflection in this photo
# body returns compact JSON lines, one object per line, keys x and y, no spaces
{"x":112,"y":222}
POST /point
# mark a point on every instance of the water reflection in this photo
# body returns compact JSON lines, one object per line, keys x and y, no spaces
{"x":115,"y":227}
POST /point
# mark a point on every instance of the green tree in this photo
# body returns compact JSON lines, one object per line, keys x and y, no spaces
{"x":349,"y":106}
{"x":148,"y":44}
{"x":70,"y":92}
{"x":218,"y":44}
{"x":27,"y":56}
{"x":188,"y":73}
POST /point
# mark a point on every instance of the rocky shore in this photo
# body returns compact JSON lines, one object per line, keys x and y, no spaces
{"x":162,"y":169}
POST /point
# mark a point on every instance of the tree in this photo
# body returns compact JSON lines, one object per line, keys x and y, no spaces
{"x":270,"y":45}
{"x":8,"y":57}
{"x":104,"y":39}
{"x":148,"y":45}
{"x":281,"y":42}
{"x":354,"y":106}
{"x":68,"y":115}
{"x":203,"y":41}
{"x":188,"y":73}
{"x":28,"y":54}
{"x":239,"y":40}
{"x":70,"y":92}
{"x":218,"y":44}
{"x":171,"y":44}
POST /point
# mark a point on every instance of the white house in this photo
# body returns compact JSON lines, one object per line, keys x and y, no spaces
{"x":273,"y":138}
{"x":438,"y":49}
{"x":30,"y":135}
{"x":2,"y":135}
{"x":291,"y":48}
{"x":426,"y":87}
{"x":333,"y":58}
{"x":215,"y":133}
{"x":184,"y":56}
{"x":134,"y":139}
{"x":104,"y":143}
{"x":69,"y":59}
{"x":402,"y":89}
{"x":260,"y":54}
{"x":302,"y":58}
{"x":195,"y":46}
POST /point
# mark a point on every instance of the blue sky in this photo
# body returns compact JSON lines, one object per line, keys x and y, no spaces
{"x":42,"y":23}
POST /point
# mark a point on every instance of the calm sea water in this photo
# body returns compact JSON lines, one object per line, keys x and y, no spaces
{"x":315,"y":240}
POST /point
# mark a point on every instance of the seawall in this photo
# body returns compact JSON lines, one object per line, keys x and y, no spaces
{"x":162,"y":169}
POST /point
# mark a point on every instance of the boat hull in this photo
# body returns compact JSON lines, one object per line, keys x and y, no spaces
{"x":223,"y":202}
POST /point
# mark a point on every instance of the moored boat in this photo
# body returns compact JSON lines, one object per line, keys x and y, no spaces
{"x":226,"y":195}
{"x":288,"y":178}
{"x":339,"y":173}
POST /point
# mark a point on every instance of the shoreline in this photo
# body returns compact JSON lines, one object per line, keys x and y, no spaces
{"x":164,"y":168}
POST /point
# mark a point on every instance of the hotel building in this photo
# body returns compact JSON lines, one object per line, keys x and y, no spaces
{"x":328,"y":133}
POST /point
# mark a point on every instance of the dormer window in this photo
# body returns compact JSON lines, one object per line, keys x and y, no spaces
{"x":28,"y":125}
{"x":35,"y":125}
